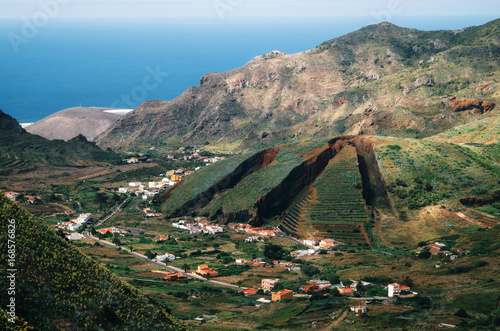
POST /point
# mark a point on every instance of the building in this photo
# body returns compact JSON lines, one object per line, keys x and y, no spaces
{"x":149,"y":212}
{"x":161,"y":238}
{"x":212,"y":229}
{"x":123,"y":190}
{"x":395,"y":289}
{"x":241,"y":261}
{"x":435,"y":248}
{"x":110,"y":230}
{"x":249,"y":292}
{"x":74,"y":236}
{"x":268,"y":284}
{"x":359,"y":308}
{"x":326,"y":243}
{"x":316,"y":286}
{"x":11,"y":195}
{"x":175,"y":276}
{"x":134,"y":184}
{"x":282,"y":295}
{"x":166,"y":257}
{"x":346,"y":290}
{"x":205,"y":270}
{"x":309,"y":243}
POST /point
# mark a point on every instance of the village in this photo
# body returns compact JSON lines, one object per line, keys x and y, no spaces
{"x":228,"y":257}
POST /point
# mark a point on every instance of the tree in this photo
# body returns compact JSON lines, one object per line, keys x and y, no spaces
{"x":116,"y":241}
{"x":329,"y":274}
{"x":273,"y":252}
{"x":278,"y":287}
{"x":309,"y":270}
{"x":360,"y":288}
{"x":462,"y":313}
{"x":334,"y":292}
{"x":116,"y":198}
{"x":185,"y":267}
{"x":425,"y":254}
{"x":150,"y":254}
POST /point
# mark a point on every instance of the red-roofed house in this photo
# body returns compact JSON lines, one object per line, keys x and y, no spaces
{"x":249,"y":292}
{"x":111,"y":230}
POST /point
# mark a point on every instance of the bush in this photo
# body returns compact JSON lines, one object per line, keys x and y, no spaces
{"x":274,"y":252}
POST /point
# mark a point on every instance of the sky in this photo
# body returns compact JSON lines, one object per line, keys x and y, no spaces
{"x":379,"y":10}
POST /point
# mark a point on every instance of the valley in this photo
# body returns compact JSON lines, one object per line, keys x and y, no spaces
{"x":353,"y":186}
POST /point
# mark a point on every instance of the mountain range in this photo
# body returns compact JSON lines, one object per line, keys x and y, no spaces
{"x":381,"y":79}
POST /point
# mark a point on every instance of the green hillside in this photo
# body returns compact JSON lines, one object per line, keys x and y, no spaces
{"x":57,"y":287}
{"x":420,"y":173}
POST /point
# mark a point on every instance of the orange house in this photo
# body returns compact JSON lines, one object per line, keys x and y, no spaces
{"x":282,"y":295}
{"x":175,"y":276}
{"x":205,"y":270}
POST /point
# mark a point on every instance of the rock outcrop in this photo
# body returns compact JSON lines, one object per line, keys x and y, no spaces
{"x":473,"y":106}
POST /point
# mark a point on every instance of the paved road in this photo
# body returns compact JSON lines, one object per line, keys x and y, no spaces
{"x":163,"y":265}
{"x":115,"y":209}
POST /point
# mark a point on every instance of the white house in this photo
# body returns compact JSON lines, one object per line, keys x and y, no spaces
{"x":395,"y":289}
{"x":123,"y":190}
{"x":74,"y":236}
{"x":134,"y":184}
{"x":83,"y":218}
{"x":309,"y":243}
{"x":165,"y":257}
{"x":213,"y":229}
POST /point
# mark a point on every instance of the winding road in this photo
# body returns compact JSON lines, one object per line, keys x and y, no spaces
{"x":87,"y":235}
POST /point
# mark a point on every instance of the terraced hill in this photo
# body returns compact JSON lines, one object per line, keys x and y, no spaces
{"x":338,"y":209}
{"x":351,"y":188}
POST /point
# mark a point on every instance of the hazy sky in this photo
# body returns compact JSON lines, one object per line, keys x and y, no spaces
{"x":245,"y":8}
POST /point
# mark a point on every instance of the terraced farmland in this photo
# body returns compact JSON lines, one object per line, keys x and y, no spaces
{"x":339,"y":208}
{"x":8,"y":163}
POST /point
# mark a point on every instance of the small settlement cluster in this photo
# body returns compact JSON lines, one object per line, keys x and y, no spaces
{"x":71,"y":227}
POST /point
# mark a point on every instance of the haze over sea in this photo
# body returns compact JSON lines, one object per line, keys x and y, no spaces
{"x":104,"y":63}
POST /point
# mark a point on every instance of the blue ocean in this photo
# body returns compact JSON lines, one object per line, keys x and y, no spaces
{"x":120,"y":63}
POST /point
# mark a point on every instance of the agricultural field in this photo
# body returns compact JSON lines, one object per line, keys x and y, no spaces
{"x":339,"y":208}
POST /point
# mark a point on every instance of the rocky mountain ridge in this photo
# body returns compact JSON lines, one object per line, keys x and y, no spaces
{"x":381,"y":79}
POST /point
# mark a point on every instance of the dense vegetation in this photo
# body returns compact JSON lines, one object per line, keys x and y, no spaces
{"x":59,"y":287}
